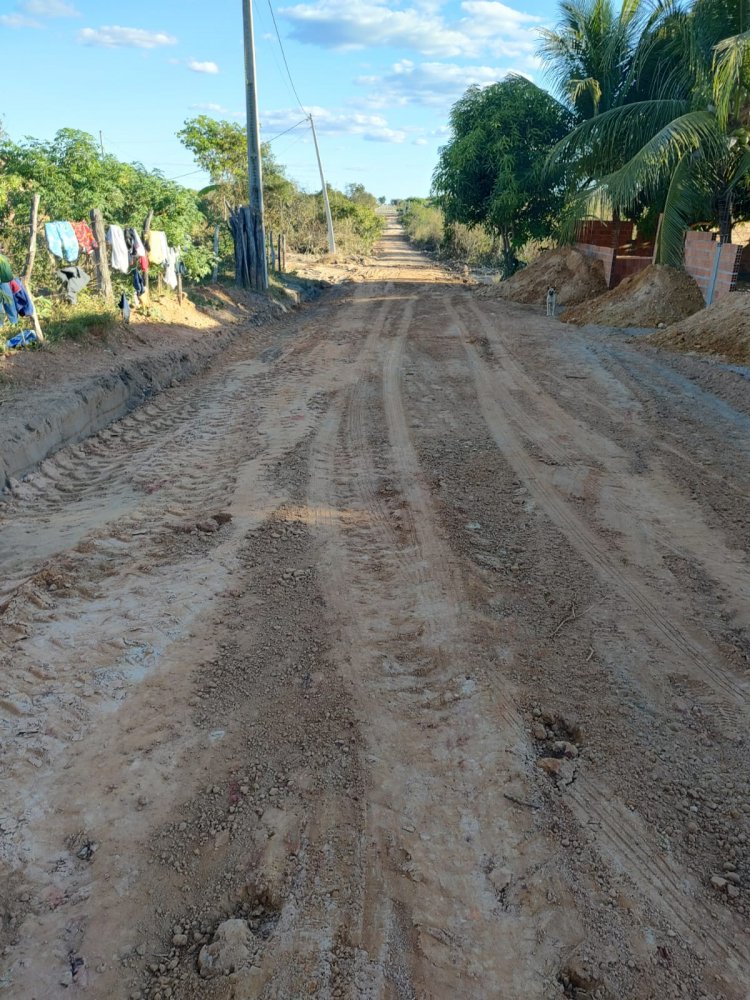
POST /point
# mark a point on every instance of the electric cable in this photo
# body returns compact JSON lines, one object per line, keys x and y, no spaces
{"x":262,"y":15}
{"x":286,"y":131}
{"x":283,"y":55}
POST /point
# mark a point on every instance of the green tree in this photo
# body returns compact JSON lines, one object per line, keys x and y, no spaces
{"x":685,"y":146}
{"x":72,"y":176}
{"x":220,"y":148}
{"x":592,"y":54}
{"x":490,"y":172}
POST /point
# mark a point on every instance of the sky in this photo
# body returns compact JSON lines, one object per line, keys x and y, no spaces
{"x":379,"y":78}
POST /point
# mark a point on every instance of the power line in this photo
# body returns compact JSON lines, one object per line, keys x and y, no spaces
{"x":286,"y":131}
{"x":263,"y":15}
{"x":283,"y":54}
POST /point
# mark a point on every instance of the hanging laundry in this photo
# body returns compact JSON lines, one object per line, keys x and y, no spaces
{"x":73,"y":280}
{"x":125,"y":307}
{"x":116,"y":239}
{"x":6,"y":271}
{"x":143,"y":262}
{"x":138,"y":283}
{"x":61,"y":240}
{"x":159,"y":246}
{"x":134,"y":243}
{"x":21,"y":297}
{"x":7,"y":304}
{"x":84,"y":235}
{"x":170,"y":273}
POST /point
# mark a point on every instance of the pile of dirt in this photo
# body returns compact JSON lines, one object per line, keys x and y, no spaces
{"x":575,"y":276}
{"x":658,"y":294}
{"x":722,"y":328}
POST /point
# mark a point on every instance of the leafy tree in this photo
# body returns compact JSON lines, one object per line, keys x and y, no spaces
{"x":72,"y":176}
{"x":592,"y":54}
{"x":685,"y":145}
{"x":220,"y":148}
{"x":490,"y":172}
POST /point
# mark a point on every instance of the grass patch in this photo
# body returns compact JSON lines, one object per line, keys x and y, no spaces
{"x":89,"y":317}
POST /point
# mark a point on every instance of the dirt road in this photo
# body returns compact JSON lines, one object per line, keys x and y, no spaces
{"x":405,"y":659}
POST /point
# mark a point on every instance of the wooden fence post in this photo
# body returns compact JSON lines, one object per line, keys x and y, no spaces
{"x":103,"y":279}
{"x":215,"y":275}
{"x":31,"y":255}
{"x":146,"y":234}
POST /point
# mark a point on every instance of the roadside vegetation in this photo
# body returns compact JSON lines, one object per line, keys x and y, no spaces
{"x":648,"y":118}
{"x":72,"y":175}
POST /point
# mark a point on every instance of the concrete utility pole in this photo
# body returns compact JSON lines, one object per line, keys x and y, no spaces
{"x":254,"y":166}
{"x":329,"y":220}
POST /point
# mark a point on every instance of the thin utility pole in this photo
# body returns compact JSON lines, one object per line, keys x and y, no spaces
{"x":329,"y":220}
{"x":101,"y":141}
{"x":254,"y":167}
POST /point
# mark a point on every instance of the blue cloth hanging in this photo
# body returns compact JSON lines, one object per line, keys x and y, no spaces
{"x":8,"y":304}
{"x":61,"y":239}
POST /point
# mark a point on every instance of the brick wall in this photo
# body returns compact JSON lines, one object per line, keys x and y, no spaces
{"x":605,"y":234}
{"x":700,"y":261}
{"x":605,"y":254}
{"x":623,"y":267}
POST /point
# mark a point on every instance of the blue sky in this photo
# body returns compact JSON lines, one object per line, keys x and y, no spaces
{"x":378,"y":77}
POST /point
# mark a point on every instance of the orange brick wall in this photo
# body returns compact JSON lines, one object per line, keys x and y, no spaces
{"x":625,"y":266}
{"x":700,"y":260}
{"x":605,"y":254}
{"x":605,"y":234}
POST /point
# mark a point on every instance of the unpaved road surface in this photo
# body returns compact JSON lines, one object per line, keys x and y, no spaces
{"x":406,"y":659}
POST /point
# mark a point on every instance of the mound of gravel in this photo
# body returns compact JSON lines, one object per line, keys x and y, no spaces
{"x":658,"y":294}
{"x":722,"y":328}
{"x":575,"y":276}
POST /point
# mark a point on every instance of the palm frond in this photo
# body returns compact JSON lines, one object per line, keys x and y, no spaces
{"x":731,"y":69}
{"x":741,"y":171}
{"x":652,"y":166}
{"x":684,"y":202}
{"x":590,"y":88}
{"x":615,"y":134}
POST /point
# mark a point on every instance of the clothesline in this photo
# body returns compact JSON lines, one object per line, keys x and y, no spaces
{"x":67,"y":240}
{"x":15,"y":303}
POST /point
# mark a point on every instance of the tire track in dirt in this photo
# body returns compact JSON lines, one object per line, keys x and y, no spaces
{"x":503,"y":414}
{"x":136,"y":590}
{"x":622,"y":838}
{"x":405,"y":653}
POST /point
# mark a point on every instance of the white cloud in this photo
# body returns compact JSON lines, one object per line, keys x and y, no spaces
{"x":435,"y":84}
{"x":202,"y":67}
{"x":482,"y":26}
{"x":49,"y":8}
{"x":373,"y":128}
{"x":354,"y":24}
{"x":114,"y":36}
{"x":217,"y":109}
{"x":18,"y":21}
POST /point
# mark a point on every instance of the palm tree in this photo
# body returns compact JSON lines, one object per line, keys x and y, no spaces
{"x":590,"y":54}
{"x":685,"y":145}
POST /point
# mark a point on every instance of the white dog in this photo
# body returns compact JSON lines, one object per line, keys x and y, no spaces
{"x":551,"y":300}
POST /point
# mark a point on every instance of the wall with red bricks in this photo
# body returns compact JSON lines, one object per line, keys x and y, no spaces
{"x":623,"y":267}
{"x":605,"y":234}
{"x":605,"y":254}
{"x":700,"y":260}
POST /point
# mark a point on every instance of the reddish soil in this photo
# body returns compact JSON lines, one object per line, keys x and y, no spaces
{"x":657,"y":295}
{"x":403,"y":654}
